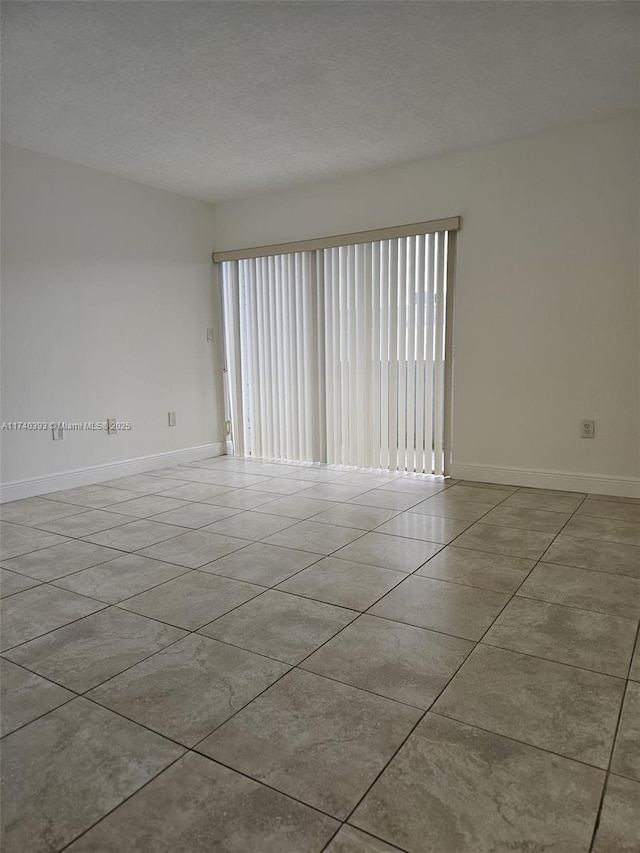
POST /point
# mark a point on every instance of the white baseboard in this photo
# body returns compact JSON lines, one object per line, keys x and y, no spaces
{"x":569,"y":481}
{"x":99,"y":473}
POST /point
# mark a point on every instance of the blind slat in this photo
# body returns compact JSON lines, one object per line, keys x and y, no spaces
{"x":339,"y":355}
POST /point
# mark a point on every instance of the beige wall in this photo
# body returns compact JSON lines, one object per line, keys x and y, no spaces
{"x":107,"y":295}
{"x":547,"y":290}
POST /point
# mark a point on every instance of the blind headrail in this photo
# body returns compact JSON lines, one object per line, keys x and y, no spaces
{"x":453,"y":223}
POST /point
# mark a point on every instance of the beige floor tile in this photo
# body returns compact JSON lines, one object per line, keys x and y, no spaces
{"x":259,"y":563}
{"x":189,"y":688}
{"x":68,"y":769}
{"x":387,"y":500}
{"x":296,"y":507}
{"x":121,"y":578}
{"x":458,"y":789}
{"x":634,"y":672}
{"x":626,"y":755}
{"x":91,"y":650}
{"x":352,"y":515}
{"x":352,"y":840}
{"x":478,"y":494}
{"x":617,"y":595}
{"x":333,"y":492}
{"x":477,"y":568}
{"x":610,"y":509}
{"x":16,"y":540}
{"x":193,"y":549}
{"x":194,"y":491}
{"x":11,"y":582}
{"x":86,"y":522}
{"x":196,"y":515}
{"x":604,"y":529}
{"x":343,"y":583}
{"x":592,"y":554}
{"x":314,"y":739}
{"x":452,"y":507}
{"x":95,"y":496}
{"x":566,"y":710}
{"x":398,"y":553}
{"x":583,"y":638}
{"x":191,"y":600}
{"x":25,"y":697}
{"x":251,"y":525}
{"x":35,"y":511}
{"x":147,"y":505}
{"x":317,"y":538}
{"x":199,"y":806}
{"x":135,"y":535}
{"x":39,"y":610}
{"x":429,"y":528}
{"x":281,"y":626}
{"x":242,"y":499}
{"x":451,"y":608}
{"x":282,"y":486}
{"x":60,"y":560}
{"x":398,"y":661}
{"x":510,"y":541}
{"x":619,"y":827}
{"x":545,"y":500}
{"x":527,"y":519}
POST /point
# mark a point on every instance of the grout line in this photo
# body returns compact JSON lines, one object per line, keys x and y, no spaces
{"x":334,"y":636}
{"x":614,"y":741}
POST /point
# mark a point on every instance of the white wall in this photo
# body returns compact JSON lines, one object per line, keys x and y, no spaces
{"x":107,"y":294}
{"x":546,"y":309}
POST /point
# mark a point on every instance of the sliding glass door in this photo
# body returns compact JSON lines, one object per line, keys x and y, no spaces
{"x":338,"y":355}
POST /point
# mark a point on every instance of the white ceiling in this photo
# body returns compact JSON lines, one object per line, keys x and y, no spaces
{"x":221,"y":99}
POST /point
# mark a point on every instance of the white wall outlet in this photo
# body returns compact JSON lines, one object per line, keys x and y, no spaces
{"x":111,"y":426}
{"x":209,"y":336}
{"x":172,"y":418}
{"x":57,"y":433}
{"x":587,"y":429}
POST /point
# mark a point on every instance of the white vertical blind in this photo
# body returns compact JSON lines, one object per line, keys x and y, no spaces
{"x":338,"y":355}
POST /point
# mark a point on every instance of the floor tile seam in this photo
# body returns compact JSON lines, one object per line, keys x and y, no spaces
{"x":614,"y":742}
{"x":156,"y":516}
{"x":408,"y":735}
{"x":544,"y":749}
{"x":602,"y":517}
{"x":3,"y":652}
{"x":584,"y":568}
{"x":493,"y":645}
{"x":115,"y":675}
{"x":117,"y":806}
{"x":272,"y":586}
{"x":343,"y":823}
{"x":56,"y":582}
{"x":18,"y":591}
{"x":530,"y":597}
{"x":582,"y":537}
{"x":455,"y":582}
{"x":75,"y":694}
{"x":75,"y":571}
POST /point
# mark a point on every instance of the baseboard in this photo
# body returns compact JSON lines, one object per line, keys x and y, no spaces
{"x":99,"y":473}
{"x":569,"y":481}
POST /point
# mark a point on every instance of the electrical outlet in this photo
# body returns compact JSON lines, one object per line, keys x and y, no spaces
{"x":57,"y":433}
{"x":111,"y":426}
{"x":209,"y":336}
{"x":172,"y":418}
{"x":587,"y":429}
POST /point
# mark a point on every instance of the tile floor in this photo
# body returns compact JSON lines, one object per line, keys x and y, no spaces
{"x":247,"y":657}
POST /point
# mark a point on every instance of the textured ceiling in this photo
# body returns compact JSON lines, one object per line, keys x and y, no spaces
{"x":221,"y":99}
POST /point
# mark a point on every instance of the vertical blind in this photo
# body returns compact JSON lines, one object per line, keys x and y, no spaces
{"x":338,"y":355}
